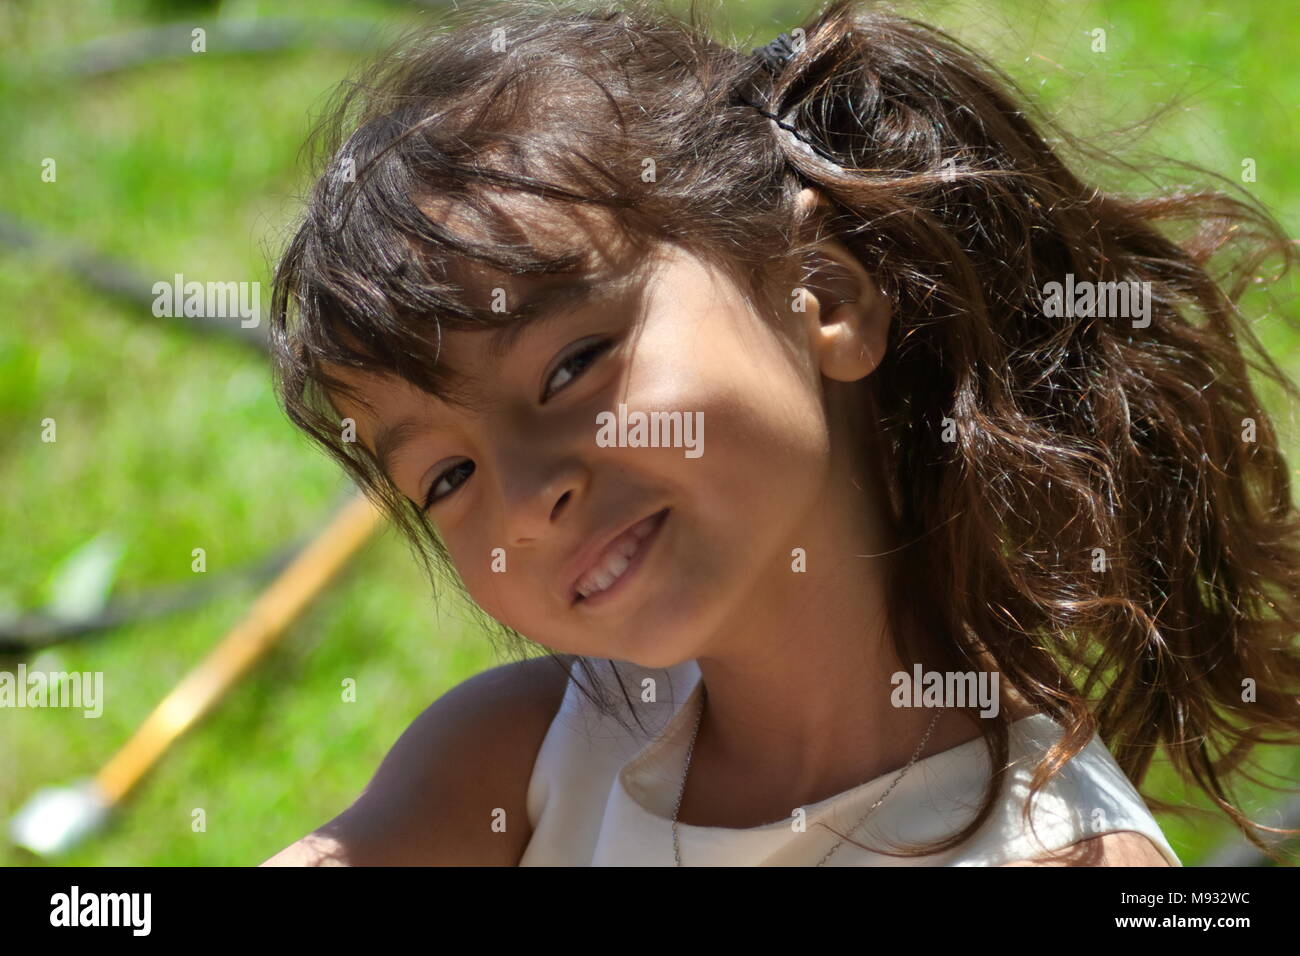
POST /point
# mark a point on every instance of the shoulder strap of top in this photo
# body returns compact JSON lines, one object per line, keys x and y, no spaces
{"x":1090,"y":795}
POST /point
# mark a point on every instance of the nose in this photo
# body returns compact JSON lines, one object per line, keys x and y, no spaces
{"x":536,"y":490}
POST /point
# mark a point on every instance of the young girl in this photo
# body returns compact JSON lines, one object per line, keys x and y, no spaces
{"x":882,"y":492}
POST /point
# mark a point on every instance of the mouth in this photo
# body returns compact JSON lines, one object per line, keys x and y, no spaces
{"x":617,"y":562}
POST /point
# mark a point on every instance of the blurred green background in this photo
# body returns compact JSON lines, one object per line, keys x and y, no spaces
{"x":170,"y":440}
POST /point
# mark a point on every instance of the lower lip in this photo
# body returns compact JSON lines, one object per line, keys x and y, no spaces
{"x":603,"y":597}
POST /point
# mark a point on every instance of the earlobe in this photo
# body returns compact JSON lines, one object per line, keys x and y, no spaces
{"x":846,"y":353}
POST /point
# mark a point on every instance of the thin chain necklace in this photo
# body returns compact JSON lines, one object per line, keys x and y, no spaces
{"x":704,"y":693}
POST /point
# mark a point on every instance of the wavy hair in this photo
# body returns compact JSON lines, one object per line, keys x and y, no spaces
{"x":1081,"y":491}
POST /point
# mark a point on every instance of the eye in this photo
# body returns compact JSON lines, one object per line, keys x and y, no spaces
{"x":447,"y":482}
{"x":573,"y":365}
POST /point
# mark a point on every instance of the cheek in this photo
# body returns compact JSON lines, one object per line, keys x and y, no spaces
{"x":766,"y":454}
{"x":489,"y":572}
{"x":766,"y":444}
{"x":760,"y":410}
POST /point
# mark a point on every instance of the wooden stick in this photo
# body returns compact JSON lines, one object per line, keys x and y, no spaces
{"x":268,"y":618}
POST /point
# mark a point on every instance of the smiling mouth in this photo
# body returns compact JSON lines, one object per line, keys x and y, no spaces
{"x":619,"y":559}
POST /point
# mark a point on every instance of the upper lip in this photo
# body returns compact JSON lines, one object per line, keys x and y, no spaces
{"x":586,"y":558}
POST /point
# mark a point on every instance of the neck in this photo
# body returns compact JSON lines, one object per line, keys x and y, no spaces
{"x":799,"y":679}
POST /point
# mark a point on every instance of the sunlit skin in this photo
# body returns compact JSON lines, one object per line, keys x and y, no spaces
{"x":797,"y":664}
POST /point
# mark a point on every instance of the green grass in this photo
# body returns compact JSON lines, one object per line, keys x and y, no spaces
{"x":173,"y":441}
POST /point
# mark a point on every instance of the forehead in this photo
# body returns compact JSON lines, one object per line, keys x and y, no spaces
{"x":560,"y":254}
{"x":380,"y":399}
{"x":575,"y":243}
{"x":468,"y":357}
{"x":565,"y":238}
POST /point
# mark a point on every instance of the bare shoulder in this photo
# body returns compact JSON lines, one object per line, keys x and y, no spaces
{"x":1120,"y":848}
{"x":463,"y":763}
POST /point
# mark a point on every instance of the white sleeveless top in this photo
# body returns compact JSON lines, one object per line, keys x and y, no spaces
{"x":601,"y":797}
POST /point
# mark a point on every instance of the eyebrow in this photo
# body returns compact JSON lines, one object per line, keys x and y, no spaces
{"x":542,"y":307}
{"x":391,"y":439}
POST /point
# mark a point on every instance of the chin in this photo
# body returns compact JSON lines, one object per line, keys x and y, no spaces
{"x":655,"y":659}
{"x":653,"y":646}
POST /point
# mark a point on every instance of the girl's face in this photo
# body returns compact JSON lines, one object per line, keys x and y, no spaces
{"x":610,"y":548}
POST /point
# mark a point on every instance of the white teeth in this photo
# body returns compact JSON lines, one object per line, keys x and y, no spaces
{"x":614,"y":562}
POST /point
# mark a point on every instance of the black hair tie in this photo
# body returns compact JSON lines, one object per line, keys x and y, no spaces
{"x":775,"y":55}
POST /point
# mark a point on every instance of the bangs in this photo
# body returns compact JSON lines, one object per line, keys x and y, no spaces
{"x":401,"y":260}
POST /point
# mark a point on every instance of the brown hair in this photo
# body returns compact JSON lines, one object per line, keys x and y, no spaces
{"x":1019,"y":442}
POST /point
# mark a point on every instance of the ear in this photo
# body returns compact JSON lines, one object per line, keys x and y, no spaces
{"x":847,"y":316}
